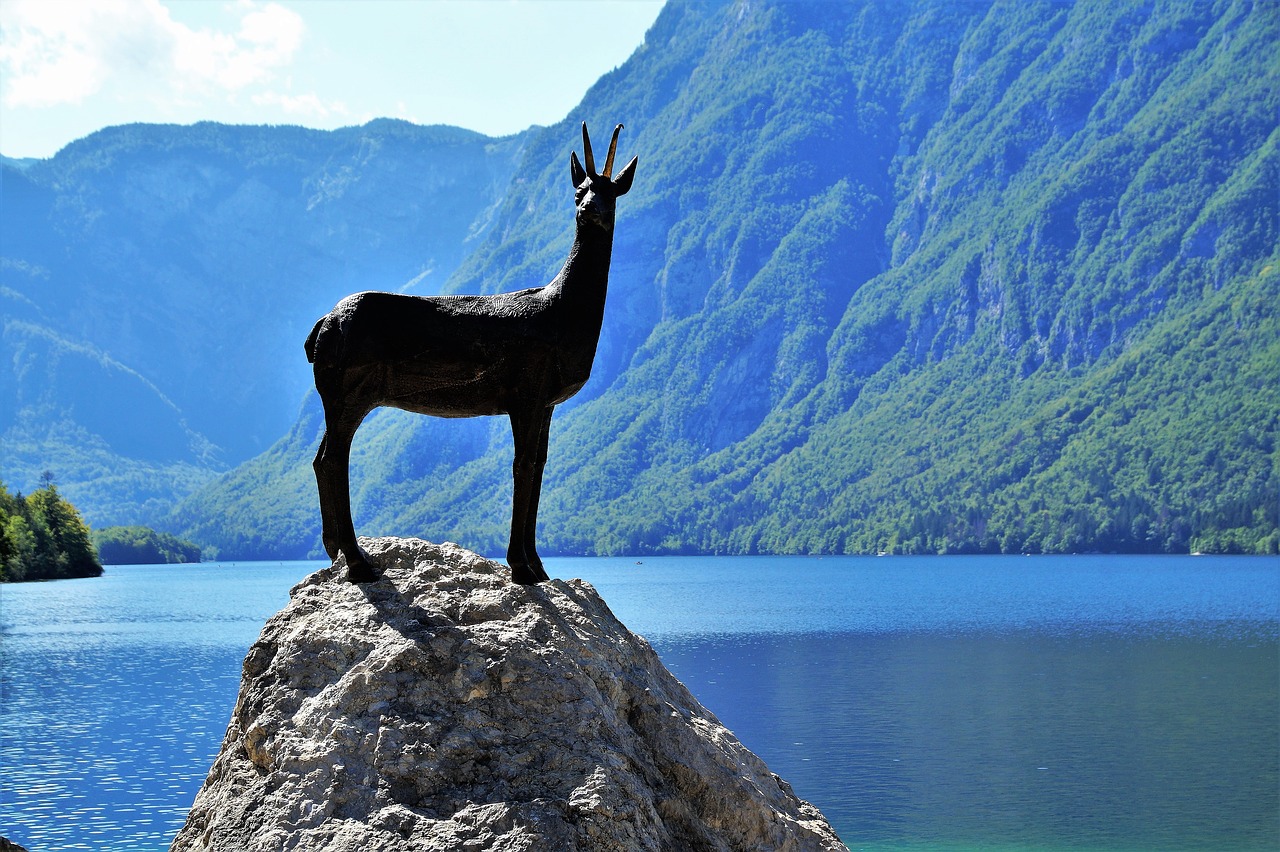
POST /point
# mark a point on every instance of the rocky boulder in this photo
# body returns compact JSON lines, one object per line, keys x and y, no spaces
{"x":445,"y":708}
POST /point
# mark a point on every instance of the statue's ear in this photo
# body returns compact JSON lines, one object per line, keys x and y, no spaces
{"x":622,"y":182}
{"x":576,"y":170}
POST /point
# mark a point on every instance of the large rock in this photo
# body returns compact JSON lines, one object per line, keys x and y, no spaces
{"x":445,"y":708}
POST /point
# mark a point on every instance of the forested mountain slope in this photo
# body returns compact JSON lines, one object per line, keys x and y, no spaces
{"x":156,"y":283}
{"x":907,"y":277}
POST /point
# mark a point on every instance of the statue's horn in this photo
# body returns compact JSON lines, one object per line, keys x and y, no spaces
{"x":586,"y":151}
{"x":613,"y":147}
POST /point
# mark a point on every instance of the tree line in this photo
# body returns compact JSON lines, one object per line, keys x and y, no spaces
{"x":43,"y":537}
{"x":135,"y":545}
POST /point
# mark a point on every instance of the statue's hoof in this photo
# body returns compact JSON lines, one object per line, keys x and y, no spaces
{"x":361,"y":572}
{"x":526,"y":576}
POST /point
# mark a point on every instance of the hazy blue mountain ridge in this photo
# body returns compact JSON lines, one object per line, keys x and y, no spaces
{"x":158,"y":281}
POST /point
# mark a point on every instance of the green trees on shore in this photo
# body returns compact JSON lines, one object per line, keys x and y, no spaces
{"x":142,"y":546}
{"x":42,"y":537}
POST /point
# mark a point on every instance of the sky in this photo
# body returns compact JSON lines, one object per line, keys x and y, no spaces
{"x":70,"y":67}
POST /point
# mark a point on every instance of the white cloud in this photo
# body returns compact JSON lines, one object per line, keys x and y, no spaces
{"x":268,"y":38}
{"x":403,"y":112}
{"x":309,"y":105}
{"x":62,"y":53}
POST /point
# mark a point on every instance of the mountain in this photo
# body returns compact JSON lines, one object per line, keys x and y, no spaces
{"x":156,"y":283}
{"x":893,"y":276}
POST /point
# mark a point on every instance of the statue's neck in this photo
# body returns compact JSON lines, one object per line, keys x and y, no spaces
{"x":587,"y":267}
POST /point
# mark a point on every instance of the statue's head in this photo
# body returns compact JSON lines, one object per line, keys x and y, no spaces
{"x":597,"y":193}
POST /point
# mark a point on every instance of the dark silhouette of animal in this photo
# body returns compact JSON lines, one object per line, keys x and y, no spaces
{"x":518,"y":354}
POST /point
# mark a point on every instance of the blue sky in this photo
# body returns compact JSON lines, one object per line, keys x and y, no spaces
{"x":70,"y":67}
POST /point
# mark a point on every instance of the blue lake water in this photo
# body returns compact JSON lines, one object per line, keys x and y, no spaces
{"x":1052,"y":703}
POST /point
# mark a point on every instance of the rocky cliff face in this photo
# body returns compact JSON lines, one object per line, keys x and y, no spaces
{"x":872,"y":250}
{"x":445,"y":708}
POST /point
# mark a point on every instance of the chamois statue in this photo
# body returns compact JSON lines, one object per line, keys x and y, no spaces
{"x":518,"y":354}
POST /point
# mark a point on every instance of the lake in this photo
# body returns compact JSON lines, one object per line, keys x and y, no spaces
{"x":1048,"y":703}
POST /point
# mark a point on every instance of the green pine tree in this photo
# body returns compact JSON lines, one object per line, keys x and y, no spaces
{"x":43,"y":537}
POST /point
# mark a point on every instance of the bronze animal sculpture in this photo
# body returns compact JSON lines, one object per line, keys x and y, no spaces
{"x":518,"y":354}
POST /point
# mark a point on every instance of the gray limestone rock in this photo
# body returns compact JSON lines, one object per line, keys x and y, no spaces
{"x":446,"y":708}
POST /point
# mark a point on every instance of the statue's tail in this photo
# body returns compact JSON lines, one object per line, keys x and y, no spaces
{"x":312,"y":338}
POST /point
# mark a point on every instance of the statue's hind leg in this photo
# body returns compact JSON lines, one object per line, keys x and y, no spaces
{"x":328,"y":531}
{"x":332,"y":467}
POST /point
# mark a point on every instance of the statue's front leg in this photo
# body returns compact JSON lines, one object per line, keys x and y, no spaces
{"x":531,"y":525}
{"x":360,"y":567}
{"x":529,"y":429}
